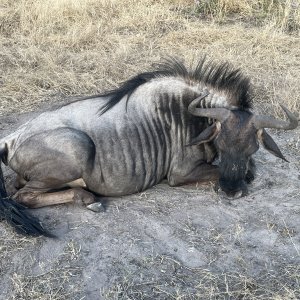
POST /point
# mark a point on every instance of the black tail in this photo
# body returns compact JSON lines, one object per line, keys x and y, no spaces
{"x":17,"y":215}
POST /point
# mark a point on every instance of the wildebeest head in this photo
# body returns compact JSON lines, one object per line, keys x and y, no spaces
{"x":236,"y":134}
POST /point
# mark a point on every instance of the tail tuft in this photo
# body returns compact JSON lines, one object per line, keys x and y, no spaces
{"x":23,"y":222}
{"x":16,"y":214}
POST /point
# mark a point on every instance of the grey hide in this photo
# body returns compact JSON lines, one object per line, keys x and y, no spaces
{"x":120,"y":152}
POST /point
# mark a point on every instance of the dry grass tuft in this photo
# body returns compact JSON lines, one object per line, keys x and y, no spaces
{"x":175,"y":281}
{"x":58,"y":48}
{"x":283,"y":15}
{"x":58,"y":283}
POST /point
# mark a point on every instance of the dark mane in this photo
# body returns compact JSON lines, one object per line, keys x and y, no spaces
{"x":219,"y":76}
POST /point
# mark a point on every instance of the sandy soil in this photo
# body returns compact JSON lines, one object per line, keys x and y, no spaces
{"x":166,"y":243}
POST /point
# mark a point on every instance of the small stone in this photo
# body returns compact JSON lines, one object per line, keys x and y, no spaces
{"x":96,"y":207}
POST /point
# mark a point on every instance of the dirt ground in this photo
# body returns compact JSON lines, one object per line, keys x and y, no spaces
{"x":166,"y":243}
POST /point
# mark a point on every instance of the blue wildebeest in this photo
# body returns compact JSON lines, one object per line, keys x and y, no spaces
{"x":169,"y":123}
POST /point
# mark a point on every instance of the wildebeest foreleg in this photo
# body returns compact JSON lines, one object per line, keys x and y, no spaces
{"x":38,"y":198}
{"x":200,"y":173}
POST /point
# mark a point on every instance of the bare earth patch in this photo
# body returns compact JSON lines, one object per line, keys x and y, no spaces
{"x":166,"y":243}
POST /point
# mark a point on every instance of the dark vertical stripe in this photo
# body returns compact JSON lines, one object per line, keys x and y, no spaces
{"x":139,"y":151}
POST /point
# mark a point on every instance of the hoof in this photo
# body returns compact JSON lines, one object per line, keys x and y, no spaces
{"x":83,"y":197}
{"x":96,"y":207}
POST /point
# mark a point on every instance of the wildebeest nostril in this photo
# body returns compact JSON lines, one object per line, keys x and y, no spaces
{"x":233,"y":189}
{"x":235,"y":195}
{"x":231,"y":195}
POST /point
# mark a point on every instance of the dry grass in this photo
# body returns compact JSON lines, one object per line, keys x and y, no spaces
{"x":283,"y":15}
{"x":58,"y":283}
{"x":178,"y":282}
{"x":57,"y":48}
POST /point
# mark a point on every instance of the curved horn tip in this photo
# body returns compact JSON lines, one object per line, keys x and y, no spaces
{"x":192,"y":106}
{"x":293,"y":118}
{"x":202,"y":96}
{"x":264,"y":121}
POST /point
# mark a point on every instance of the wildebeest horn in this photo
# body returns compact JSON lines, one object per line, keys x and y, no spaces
{"x":270,"y":122}
{"x":220,"y":114}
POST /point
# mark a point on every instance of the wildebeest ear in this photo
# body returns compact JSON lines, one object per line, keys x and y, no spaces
{"x":269,"y":144}
{"x":206,"y":135}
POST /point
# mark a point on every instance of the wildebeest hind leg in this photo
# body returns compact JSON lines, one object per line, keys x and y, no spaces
{"x":40,"y":198}
{"x":50,"y":161}
{"x":19,"y":182}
